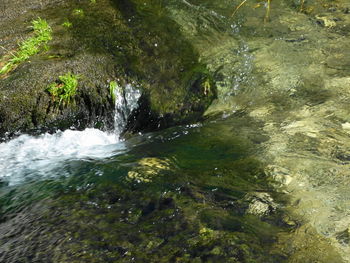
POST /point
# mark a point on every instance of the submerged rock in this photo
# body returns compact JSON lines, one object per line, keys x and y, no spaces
{"x":147,"y":169}
{"x":344,"y":237}
{"x":260,"y":204}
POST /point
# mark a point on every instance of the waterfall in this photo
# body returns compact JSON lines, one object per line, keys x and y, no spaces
{"x":42,"y":156}
{"x":126,"y":100}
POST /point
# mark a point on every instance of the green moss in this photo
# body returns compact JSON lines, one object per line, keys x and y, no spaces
{"x":65,"y":89}
{"x":112,"y":87}
{"x":31,"y":46}
{"x":176,"y":87}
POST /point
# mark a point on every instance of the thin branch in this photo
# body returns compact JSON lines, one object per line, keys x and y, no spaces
{"x":238,"y":7}
{"x":267,"y":14}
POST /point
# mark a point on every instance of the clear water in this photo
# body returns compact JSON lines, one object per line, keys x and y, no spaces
{"x":185,"y":188}
{"x":264,"y":179}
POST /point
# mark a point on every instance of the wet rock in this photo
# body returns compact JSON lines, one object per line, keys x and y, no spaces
{"x":26,"y":106}
{"x":260,"y":204}
{"x":112,"y":41}
{"x":344,"y":236}
{"x":148,"y":169}
{"x":328,"y":22}
{"x":280,"y":174}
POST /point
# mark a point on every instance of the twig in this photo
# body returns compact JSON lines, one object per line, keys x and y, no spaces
{"x":267,"y":15}
{"x":238,"y":7}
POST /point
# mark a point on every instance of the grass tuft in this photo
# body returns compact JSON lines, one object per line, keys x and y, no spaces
{"x":65,"y":89}
{"x":31,"y":46}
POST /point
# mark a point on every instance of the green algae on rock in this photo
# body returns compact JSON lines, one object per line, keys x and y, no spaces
{"x":31,"y":46}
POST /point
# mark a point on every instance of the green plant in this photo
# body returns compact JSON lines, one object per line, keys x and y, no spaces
{"x":67,"y":24}
{"x":93,"y":1}
{"x":31,"y":46}
{"x":78,"y":12}
{"x":65,"y":89}
{"x":112,"y":87}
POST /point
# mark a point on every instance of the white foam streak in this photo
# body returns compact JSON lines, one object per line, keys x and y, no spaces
{"x":29,"y":155}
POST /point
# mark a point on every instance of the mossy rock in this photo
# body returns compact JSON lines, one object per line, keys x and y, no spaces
{"x":114,"y":40}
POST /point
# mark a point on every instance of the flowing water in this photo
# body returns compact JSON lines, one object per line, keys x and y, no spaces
{"x":187,"y":193}
{"x":264,"y":178}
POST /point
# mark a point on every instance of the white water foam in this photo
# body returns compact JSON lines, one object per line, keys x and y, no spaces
{"x":26,"y":155}
{"x":46,"y":155}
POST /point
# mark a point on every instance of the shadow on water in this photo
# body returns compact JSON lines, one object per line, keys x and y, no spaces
{"x":187,"y":194}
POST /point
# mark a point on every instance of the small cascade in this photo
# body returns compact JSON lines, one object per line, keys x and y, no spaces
{"x":126,"y":100}
{"x":42,"y":156}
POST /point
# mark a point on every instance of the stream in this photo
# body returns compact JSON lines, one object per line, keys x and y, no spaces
{"x":264,"y":177}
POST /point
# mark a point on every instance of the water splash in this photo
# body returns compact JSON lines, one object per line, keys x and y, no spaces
{"x":28,"y":156}
{"x":43,"y":156}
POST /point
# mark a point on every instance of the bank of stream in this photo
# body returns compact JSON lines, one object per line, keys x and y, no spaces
{"x":262,"y":177}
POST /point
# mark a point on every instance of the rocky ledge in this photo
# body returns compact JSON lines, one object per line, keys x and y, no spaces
{"x":124,"y":42}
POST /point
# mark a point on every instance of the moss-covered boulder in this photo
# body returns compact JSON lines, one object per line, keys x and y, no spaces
{"x":129,"y":42}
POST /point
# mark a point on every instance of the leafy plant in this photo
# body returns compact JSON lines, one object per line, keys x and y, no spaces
{"x":31,"y":46}
{"x":65,"y":89}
